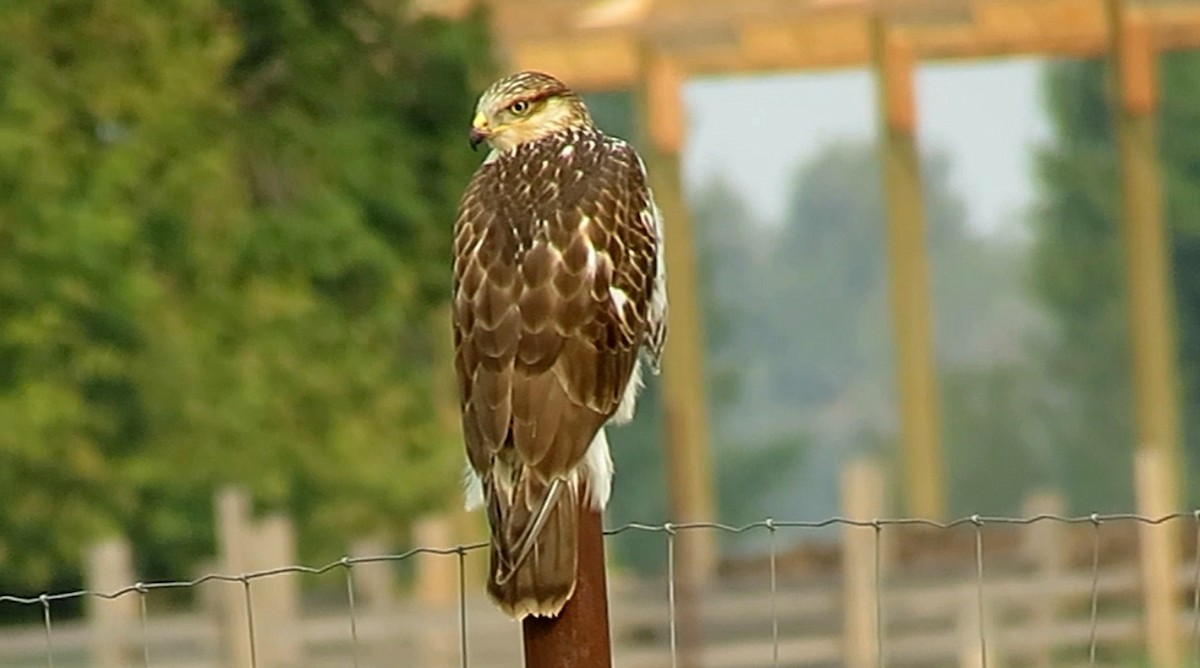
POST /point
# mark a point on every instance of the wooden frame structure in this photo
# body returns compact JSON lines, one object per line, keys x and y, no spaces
{"x":652,"y":46}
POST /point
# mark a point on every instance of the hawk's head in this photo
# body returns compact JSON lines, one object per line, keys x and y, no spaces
{"x":523,"y":107}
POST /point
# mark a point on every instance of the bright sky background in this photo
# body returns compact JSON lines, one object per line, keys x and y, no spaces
{"x":754,"y":131}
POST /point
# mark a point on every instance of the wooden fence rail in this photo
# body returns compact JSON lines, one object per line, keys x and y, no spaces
{"x":1038,"y":588}
{"x":925,"y":627}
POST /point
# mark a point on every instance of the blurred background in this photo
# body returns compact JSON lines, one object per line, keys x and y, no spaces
{"x":225,"y":250}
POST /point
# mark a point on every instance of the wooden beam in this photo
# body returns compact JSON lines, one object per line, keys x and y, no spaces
{"x":714,"y":38}
{"x":1147,"y":264}
{"x":908,"y":274}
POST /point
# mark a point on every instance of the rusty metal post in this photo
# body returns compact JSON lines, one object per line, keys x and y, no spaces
{"x":908,"y":278}
{"x":579,"y":636}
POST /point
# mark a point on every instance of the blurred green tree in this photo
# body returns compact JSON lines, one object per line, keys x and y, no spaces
{"x":224,"y":231}
{"x":1079,"y":272}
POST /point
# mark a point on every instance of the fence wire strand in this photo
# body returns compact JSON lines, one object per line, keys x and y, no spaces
{"x":45,"y":601}
{"x":983,"y":653}
{"x":671,"y":592}
{"x":670,"y":530}
{"x":250,"y":624}
{"x":666,"y":528}
{"x":353,"y":611}
{"x":1095,"y":608}
{"x":462,"y":603}
{"x":774,"y":594}
{"x":144,"y":631}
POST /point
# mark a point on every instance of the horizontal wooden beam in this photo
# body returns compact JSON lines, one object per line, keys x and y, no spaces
{"x":829,"y":34}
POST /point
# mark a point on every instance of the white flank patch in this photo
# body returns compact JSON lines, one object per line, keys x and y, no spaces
{"x":473,"y":488}
{"x":567,"y":151}
{"x":597,"y":469}
{"x":628,"y":403}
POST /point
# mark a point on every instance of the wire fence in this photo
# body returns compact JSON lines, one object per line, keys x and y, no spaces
{"x":976,"y":523}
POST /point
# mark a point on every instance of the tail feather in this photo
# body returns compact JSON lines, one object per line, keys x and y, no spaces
{"x":534,"y":546}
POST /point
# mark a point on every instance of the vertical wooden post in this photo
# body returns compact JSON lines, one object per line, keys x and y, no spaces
{"x":579,"y":636}
{"x":436,"y":586}
{"x":908,"y":276}
{"x":111,"y":623}
{"x":1159,"y":557}
{"x":971,"y":625}
{"x":276,"y":598}
{"x":436,"y":575}
{"x":374,"y":583}
{"x":1045,"y":546}
{"x":1133,"y":85}
{"x":233,"y":538}
{"x":685,"y":404}
{"x":863,"y":488}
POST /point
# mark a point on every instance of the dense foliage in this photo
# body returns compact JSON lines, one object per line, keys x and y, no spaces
{"x":223,"y":229}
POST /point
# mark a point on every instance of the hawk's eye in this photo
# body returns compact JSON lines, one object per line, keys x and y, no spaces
{"x":520,"y":107}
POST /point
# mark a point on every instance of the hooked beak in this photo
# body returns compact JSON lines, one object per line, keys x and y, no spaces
{"x":479,"y":131}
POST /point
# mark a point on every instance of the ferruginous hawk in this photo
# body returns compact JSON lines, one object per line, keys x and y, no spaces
{"x":559,"y":296}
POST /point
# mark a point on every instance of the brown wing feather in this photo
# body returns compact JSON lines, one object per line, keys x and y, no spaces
{"x":554,"y":269}
{"x":540,"y":240}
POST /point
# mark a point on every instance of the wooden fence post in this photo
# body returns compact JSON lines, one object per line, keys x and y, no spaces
{"x":233,"y":539}
{"x":436,"y":586}
{"x":374,"y":583}
{"x":972,"y":627}
{"x":436,"y":574}
{"x":1159,"y":557}
{"x":1045,"y":547}
{"x":276,"y":598}
{"x":863,"y":487}
{"x":111,"y":623}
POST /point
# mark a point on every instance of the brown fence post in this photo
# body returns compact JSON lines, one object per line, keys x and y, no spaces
{"x":436,"y":585}
{"x":436,"y":574}
{"x":233,"y":537}
{"x":1159,"y":559}
{"x":1045,"y":547}
{"x":972,"y":628}
{"x":374,"y":582}
{"x":276,"y":598}
{"x":579,"y":636}
{"x":111,"y":623}
{"x":862,"y":499}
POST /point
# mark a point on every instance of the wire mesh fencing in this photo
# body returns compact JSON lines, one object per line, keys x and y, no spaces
{"x":878,"y":529}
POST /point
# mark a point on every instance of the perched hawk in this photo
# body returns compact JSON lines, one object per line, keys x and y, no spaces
{"x":559,"y":291}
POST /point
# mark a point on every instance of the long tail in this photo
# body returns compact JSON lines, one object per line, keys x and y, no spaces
{"x":534,"y":534}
